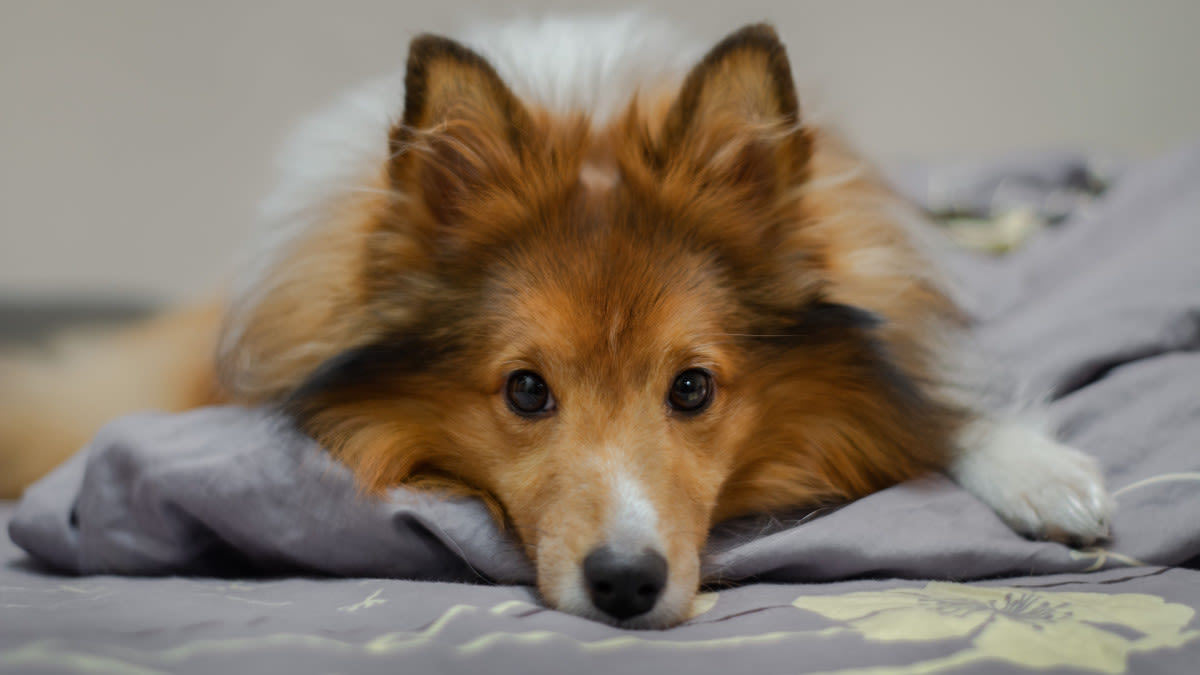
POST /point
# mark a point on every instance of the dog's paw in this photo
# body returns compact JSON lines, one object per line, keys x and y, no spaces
{"x":1039,"y":487}
{"x":1060,"y":495}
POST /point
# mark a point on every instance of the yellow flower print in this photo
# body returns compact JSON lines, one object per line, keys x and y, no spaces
{"x":1036,"y":629}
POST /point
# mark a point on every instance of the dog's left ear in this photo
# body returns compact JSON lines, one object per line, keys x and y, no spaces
{"x":462,"y":125}
{"x":736,"y":120}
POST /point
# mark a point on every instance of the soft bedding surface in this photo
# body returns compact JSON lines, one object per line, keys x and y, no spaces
{"x":1100,"y":310}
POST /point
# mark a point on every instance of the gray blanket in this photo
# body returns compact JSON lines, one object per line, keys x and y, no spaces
{"x":1101,"y":310}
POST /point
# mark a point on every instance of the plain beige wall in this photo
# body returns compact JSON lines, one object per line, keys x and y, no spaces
{"x":137,"y":135}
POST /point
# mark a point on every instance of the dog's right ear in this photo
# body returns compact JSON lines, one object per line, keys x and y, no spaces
{"x":736,"y":120}
{"x":367,"y":267}
{"x":461,"y":126}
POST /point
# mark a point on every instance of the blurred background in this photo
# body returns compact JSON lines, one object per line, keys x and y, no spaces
{"x":136,"y":136}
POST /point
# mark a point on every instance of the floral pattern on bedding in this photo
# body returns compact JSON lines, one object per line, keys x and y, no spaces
{"x":1094,"y":632}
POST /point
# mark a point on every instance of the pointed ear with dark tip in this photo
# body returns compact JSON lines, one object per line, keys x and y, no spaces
{"x":461,"y":125}
{"x":736,"y":118}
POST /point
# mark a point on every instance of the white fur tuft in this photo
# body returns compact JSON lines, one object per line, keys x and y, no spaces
{"x":594,"y":64}
{"x":632,"y":521}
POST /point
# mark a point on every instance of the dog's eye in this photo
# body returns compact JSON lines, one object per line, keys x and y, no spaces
{"x":528,"y":394}
{"x":691,"y":391}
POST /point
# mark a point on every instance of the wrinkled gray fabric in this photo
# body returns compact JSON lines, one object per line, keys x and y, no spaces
{"x":1102,"y":311}
{"x":227,"y":489}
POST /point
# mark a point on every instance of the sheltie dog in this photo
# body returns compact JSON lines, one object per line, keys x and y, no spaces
{"x":617,"y":296}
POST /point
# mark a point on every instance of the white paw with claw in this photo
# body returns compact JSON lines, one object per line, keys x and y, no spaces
{"x":1038,"y":486}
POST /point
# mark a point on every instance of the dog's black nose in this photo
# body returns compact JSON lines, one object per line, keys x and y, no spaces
{"x":624,"y":585}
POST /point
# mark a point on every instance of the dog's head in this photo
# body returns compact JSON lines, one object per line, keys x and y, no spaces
{"x":616,"y":336}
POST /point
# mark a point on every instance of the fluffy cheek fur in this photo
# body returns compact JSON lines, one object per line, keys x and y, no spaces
{"x":834,"y":419}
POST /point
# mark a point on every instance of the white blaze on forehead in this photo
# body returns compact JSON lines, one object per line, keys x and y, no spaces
{"x":597,"y":177}
{"x":632,"y":518}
